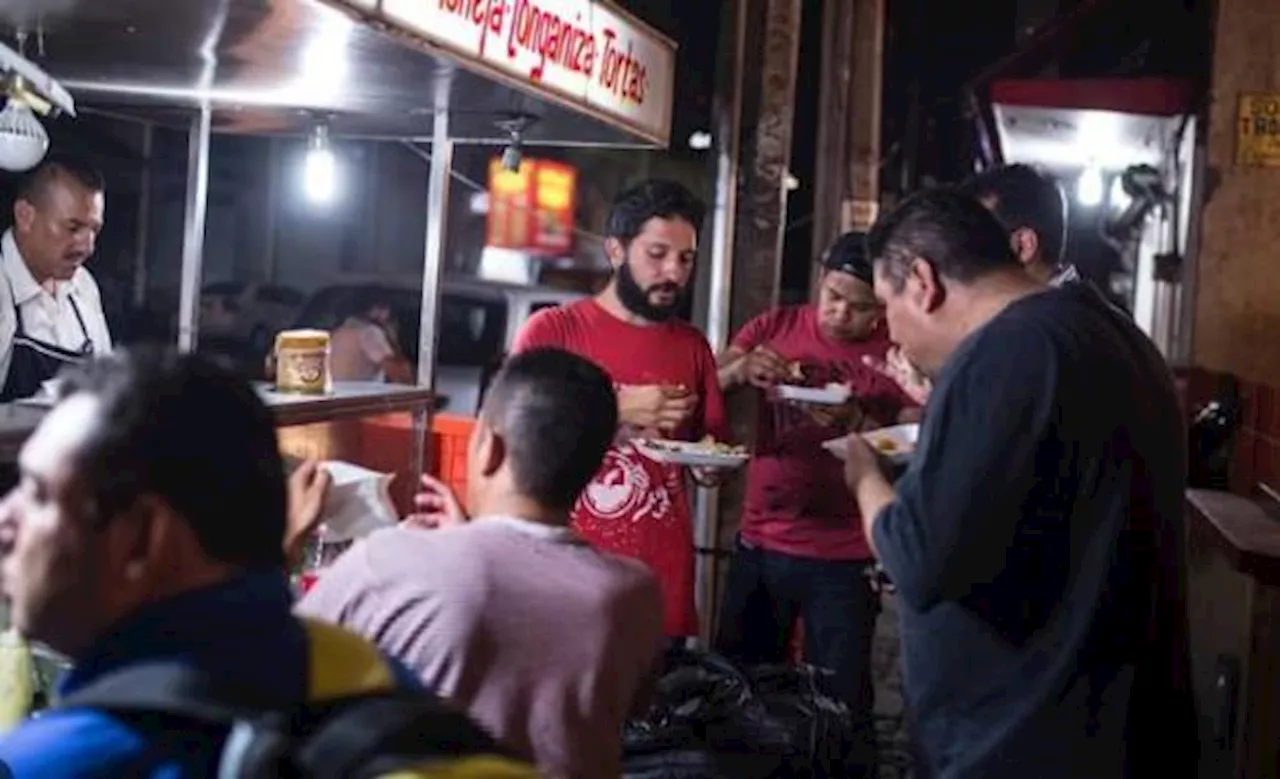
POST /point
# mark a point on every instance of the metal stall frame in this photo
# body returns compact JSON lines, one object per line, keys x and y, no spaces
{"x":225,"y":66}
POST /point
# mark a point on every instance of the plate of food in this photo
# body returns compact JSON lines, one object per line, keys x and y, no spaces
{"x":707,"y":453}
{"x":895,"y":443}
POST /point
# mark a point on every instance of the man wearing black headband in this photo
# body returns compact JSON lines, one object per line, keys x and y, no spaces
{"x":800,"y":553}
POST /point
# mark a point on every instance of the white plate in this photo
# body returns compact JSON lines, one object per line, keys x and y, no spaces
{"x":689,"y":454}
{"x":830,"y":395}
{"x":902,"y":439}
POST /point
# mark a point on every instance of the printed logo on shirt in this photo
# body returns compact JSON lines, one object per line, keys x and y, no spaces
{"x":625,"y":488}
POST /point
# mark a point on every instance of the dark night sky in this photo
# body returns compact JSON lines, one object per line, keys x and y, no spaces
{"x":694,"y":25}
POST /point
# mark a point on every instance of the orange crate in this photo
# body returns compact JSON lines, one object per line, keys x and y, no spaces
{"x":387,"y":446}
{"x":450,"y":436}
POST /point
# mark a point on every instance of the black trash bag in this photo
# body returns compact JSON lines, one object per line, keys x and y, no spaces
{"x":820,"y":729}
{"x":712,"y":720}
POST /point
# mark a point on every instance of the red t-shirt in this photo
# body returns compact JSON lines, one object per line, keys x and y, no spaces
{"x":635,"y":506}
{"x":797,"y":502}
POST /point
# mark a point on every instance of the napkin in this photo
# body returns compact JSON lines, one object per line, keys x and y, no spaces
{"x":359,"y":502}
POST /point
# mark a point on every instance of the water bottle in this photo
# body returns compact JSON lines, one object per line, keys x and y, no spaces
{"x":321,"y":550}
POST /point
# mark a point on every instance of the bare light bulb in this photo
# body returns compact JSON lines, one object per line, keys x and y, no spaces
{"x":1089,"y":187}
{"x":320,"y":170}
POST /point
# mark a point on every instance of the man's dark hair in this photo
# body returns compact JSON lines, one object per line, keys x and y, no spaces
{"x":948,"y":229}
{"x":179,"y":427}
{"x":849,"y":255}
{"x":36,"y":182}
{"x":557,"y":414}
{"x":660,"y":198}
{"x":1025,"y":197}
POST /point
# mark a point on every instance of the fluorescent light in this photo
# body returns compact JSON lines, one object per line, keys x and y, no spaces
{"x":1089,"y":187}
{"x":700,"y":140}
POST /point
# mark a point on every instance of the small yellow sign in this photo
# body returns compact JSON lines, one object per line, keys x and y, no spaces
{"x":1258,"y":131}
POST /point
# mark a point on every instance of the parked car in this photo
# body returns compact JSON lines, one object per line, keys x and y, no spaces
{"x":478,"y":322}
{"x":238,"y":320}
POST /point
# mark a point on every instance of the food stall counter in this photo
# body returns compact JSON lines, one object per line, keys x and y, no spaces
{"x":348,"y":400}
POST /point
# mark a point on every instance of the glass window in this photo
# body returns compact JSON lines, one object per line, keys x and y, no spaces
{"x":471,"y":330}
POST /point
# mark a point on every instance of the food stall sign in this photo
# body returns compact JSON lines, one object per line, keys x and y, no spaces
{"x":1258,"y":131}
{"x":532,"y":208}
{"x":585,"y":52}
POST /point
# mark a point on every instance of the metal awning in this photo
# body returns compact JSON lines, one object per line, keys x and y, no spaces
{"x":279,"y":66}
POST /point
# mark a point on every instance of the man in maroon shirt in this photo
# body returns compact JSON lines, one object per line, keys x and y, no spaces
{"x":666,"y":380}
{"x":801,"y":551}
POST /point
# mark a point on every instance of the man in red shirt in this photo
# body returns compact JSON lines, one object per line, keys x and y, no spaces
{"x":665,"y":376}
{"x":800,"y":550}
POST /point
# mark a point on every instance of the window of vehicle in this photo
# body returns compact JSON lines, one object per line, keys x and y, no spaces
{"x":471,"y":330}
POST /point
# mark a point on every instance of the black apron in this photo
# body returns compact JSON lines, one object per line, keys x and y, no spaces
{"x":34,"y":362}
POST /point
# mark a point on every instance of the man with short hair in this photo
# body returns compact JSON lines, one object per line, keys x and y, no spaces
{"x":666,"y":380}
{"x":146,"y":535}
{"x":1033,"y":210}
{"x":800,"y":551}
{"x":1036,"y":540}
{"x":1031,"y":205}
{"x":50,"y":307}
{"x":545,"y":641}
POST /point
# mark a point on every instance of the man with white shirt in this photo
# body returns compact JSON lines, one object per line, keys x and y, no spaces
{"x":50,"y":308}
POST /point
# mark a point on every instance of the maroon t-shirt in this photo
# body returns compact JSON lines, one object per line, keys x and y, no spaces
{"x":797,"y":502}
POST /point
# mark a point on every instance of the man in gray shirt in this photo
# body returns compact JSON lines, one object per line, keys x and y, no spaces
{"x":545,"y":641}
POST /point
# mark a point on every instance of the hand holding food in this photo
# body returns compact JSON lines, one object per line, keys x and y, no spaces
{"x":763,"y":367}
{"x":860,"y":462}
{"x":655,"y":407}
{"x":899,"y":369}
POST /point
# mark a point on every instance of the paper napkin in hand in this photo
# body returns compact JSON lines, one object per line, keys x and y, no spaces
{"x":358,"y":502}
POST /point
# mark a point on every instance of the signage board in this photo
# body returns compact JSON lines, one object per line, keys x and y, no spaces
{"x":588,"y":53}
{"x":1258,"y":131}
{"x":532,"y":209}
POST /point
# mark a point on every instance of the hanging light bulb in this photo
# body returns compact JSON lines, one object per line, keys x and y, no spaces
{"x":23,"y":140}
{"x":1089,"y":187}
{"x":320,"y":169}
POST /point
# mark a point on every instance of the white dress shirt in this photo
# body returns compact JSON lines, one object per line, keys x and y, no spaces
{"x":46,"y":316}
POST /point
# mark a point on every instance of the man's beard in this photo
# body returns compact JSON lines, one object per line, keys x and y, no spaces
{"x":636,"y":299}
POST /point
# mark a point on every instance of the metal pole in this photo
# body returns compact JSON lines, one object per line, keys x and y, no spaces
{"x":1184,"y":350}
{"x":728,"y":129}
{"x":706,"y":506}
{"x":193,"y":228}
{"x":438,"y":177}
{"x":142,"y":238}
